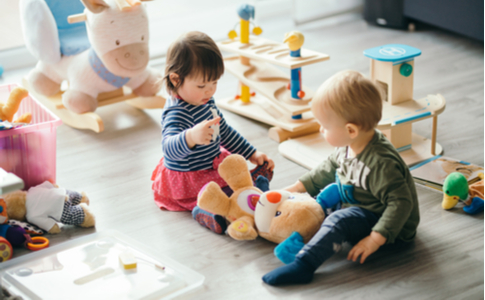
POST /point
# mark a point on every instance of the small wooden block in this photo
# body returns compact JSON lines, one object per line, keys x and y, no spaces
{"x":128,"y":260}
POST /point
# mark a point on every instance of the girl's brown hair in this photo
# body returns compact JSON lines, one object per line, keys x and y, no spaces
{"x":193,"y":54}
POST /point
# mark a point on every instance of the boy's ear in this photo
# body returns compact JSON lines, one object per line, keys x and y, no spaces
{"x":174,"y":78}
{"x":352,"y":130}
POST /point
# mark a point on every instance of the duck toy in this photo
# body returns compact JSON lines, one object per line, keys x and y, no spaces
{"x":456,"y":189}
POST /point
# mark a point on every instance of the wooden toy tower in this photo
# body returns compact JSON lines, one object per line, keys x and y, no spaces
{"x":279,"y":99}
{"x":392,"y":68}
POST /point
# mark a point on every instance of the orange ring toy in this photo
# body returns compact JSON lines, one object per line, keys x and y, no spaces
{"x":38,"y":242}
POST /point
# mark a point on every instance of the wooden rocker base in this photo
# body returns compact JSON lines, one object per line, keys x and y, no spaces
{"x":93,"y":121}
{"x":310,"y":150}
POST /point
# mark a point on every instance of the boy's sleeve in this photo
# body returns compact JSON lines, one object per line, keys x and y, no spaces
{"x":390,"y":186}
{"x":320,"y":176}
{"x":233,"y":141}
{"x":175,"y":124}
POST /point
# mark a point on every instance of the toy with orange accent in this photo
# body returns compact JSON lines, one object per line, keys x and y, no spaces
{"x":272,"y":103}
{"x":38,"y":243}
{"x":273,"y":215}
{"x":10,"y":108}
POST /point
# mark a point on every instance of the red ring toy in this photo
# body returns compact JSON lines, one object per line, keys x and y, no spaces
{"x":38,"y":242}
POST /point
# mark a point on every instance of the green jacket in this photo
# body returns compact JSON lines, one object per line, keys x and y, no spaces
{"x":381,"y":183}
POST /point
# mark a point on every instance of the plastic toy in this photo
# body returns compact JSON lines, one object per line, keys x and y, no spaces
{"x":9,"y":108}
{"x":273,"y":215}
{"x":272,"y":103}
{"x":456,"y":189}
{"x":103,"y":63}
{"x":392,"y":68}
{"x":6,"y":250}
{"x":38,"y":243}
{"x":127,"y":259}
{"x":45,"y":205}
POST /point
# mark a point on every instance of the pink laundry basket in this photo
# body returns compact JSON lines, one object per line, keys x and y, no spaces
{"x":30,"y":151}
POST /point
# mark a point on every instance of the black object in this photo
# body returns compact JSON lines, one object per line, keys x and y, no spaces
{"x":388,"y":13}
{"x":464,"y":17}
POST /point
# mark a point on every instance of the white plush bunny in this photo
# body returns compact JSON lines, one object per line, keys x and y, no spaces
{"x":118,"y":54}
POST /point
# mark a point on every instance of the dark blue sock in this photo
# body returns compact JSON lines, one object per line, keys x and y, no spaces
{"x":297,"y":272}
{"x":262,"y":183}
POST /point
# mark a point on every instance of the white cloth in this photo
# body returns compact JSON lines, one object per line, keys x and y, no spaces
{"x":44,"y":205}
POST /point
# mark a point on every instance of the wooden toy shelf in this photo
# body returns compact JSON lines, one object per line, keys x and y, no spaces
{"x":272,"y":52}
{"x":272,"y":103}
{"x":312,"y":149}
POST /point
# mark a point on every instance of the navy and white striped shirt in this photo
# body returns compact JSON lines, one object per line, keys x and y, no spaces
{"x":179,"y":116}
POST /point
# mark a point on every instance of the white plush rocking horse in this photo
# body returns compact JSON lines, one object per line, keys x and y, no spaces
{"x":103,"y":60}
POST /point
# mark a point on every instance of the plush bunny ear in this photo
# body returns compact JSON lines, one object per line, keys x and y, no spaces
{"x":235,"y":172}
{"x":40,"y":30}
{"x":95,"y":6}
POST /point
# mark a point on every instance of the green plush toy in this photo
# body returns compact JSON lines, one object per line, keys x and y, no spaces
{"x":455,"y":189}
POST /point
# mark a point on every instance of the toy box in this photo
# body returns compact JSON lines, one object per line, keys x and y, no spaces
{"x":30,"y":151}
{"x":90,"y":267}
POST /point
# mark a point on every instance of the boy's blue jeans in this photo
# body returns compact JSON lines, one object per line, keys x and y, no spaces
{"x":344,"y":225}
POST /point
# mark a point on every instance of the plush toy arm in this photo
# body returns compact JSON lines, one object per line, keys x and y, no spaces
{"x":242,"y":229}
{"x":234,"y":170}
{"x":40,"y":30}
{"x":475,"y":207}
{"x":289,"y":248}
{"x":149,"y":84}
{"x":329,"y":196}
{"x":214,"y":200}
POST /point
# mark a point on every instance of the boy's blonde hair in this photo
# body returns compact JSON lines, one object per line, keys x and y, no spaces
{"x":352,"y":97}
{"x":193,"y":54}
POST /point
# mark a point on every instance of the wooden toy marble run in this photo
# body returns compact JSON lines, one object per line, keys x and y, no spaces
{"x":392,"y":67}
{"x":279,"y":100}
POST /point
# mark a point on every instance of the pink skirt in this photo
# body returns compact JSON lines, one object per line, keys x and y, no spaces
{"x":177,"y":191}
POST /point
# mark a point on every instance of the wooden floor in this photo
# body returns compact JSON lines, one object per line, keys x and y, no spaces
{"x":445,"y":262}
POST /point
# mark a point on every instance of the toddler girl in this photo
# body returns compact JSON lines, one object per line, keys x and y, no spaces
{"x":195,"y":135}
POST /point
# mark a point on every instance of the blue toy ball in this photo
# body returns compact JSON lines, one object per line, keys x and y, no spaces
{"x":1,"y":71}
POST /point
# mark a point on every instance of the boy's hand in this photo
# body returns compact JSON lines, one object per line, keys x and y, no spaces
{"x":297,"y":187}
{"x":258,"y":158}
{"x":366,"y":246}
{"x":201,"y":134}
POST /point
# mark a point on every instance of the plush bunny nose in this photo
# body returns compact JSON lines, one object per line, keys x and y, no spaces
{"x":273,"y":197}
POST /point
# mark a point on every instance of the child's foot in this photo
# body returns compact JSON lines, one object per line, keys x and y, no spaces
{"x":262,"y":183}
{"x":214,"y":222}
{"x":297,"y":272}
{"x":262,"y":170}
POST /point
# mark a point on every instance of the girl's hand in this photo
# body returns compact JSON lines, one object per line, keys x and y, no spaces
{"x":201,"y":134}
{"x":258,"y":158}
{"x":366,"y":246}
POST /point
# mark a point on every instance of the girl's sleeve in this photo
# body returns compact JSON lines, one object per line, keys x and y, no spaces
{"x":233,"y":141}
{"x":175,"y":124}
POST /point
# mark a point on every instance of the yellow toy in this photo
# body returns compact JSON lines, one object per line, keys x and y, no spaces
{"x":9,"y":108}
{"x":274,"y":215}
{"x":44,"y":205}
